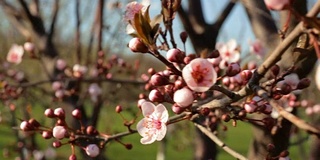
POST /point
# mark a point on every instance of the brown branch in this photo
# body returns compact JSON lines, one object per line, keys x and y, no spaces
{"x":100,"y":9}
{"x":77,"y":38}
{"x":221,"y":144}
{"x":54,"y":19}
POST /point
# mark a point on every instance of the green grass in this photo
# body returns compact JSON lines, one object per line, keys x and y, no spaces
{"x":179,"y":139}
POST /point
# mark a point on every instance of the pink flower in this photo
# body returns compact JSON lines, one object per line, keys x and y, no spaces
{"x":229,"y":52}
{"x":199,"y":75}
{"x":257,"y":48}
{"x":183,"y":97}
{"x":15,"y":54}
{"x":153,"y":126}
{"x":132,"y":9}
{"x":277,"y":4}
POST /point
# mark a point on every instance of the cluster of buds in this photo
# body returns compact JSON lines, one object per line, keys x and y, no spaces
{"x":61,"y":131}
{"x":8,"y":91}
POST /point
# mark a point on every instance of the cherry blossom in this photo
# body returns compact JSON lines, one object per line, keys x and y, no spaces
{"x":94,"y":91}
{"x":277,"y":4}
{"x":132,"y":9}
{"x":199,"y":75}
{"x":15,"y":54}
{"x":59,"y":132}
{"x":153,"y":126}
{"x":229,"y":51}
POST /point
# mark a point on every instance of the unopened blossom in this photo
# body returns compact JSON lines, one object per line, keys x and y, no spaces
{"x":136,"y":45}
{"x":292,"y":80}
{"x":257,"y":48}
{"x":61,"y":64}
{"x":229,"y":51}
{"x":153,"y":126}
{"x":28,"y":46}
{"x":183,"y":97}
{"x":277,"y":4}
{"x":59,"y":132}
{"x":199,"y":75}
{"x":15,"y":54}
{"x":92,"y":150}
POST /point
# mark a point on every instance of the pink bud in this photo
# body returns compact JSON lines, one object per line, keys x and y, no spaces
{"x":92,"y":150}
{"x":250,"y":107}
{"x":49,"y":113}
{"x":59,"y":112}
{"x":61,"y":64}
{"x":28,"y":46}
{"x":233,"y":69}
{"x":56,"y":85}
{"x":158,"y":80}
{"x":175,"y":55}
{"x":72,"y":157}
{"x":309,"y":111}
{"x":136,"y":45}
{"x":59,"y":132}
{"x":76,"y":114}
{"x":156,"y":96}
{"x":47,"y":134}
{"x":56,"y":144}
{"x":25,"y":126}
{"x":177,"y":109}
{"x":183,"y":97}
{"x":59,"y":93}
{"x":118,"y":108}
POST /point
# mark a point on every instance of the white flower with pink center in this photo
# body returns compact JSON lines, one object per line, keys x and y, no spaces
{"x":15,"y":54}
{"x":229,"y":51}
{"x":199,"y":75}
{"x":153,"y":126}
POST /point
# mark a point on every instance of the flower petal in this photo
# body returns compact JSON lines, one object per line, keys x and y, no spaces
{"x":162,"y":112}
{"x":162,"y":132}
{"x":142,"y":130}
{"x":147,"y":108}
{"x":148,"y":139}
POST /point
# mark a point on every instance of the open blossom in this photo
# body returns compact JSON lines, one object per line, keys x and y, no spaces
{"x":153,"y":126}
{"x":132,"y":9}
{"x":199,"y":75}
{"x":229,"y":51}
{"x":277,"y":4}
{"x":15,"y":54}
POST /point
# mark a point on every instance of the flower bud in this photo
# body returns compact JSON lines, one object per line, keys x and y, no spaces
{"x":91,"y":130}
{"x":76,"y":114}
{"x":226,"y":117}
{"x":284,"y":153}
{"x":118,"y":108}
{"x":47,"y":134}
{"x":158,"y":80}
{"x":233,"y":69}
{"x":92,"y":150}
{"x":156,"y":96}
{"x":34,"y":123}
{"x":214,"y":54}
{"x":175,"y":55}
{"x":25,"y":126}
{"x":49,"y":113}
{"x":205,"y":111}
{"x":72,"y":157}
{"x":177,"y":109}
{"x":59,"y":93}
{"x":183,"y":36}
{"x":61,"y":64}
{"x":275,"y":70}
{"x":59,"y":132}
{"x":250,"y":107}
{"x":56,"y":85}
{"x":56,"y":144}
{"x":183,"y":97}
{"x":136,"y":45}
{"x":278,"y":5}
{"x":60,"y":113}
{"x":151,"y":71}
{"x":128,"y":146}
{"x":303,"y":83}
{"x":28,"y":46}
